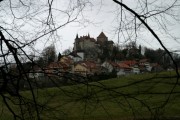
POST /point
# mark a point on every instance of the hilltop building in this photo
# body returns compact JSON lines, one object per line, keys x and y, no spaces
{"x":84,"y":42}
{"x":91,"y":47}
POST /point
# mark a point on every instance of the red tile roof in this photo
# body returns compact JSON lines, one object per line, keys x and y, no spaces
{"x":129,"y":62}
{"x":113,"y":64}
{"x":124,"y":66}
{"x":57,"y":65}
{"x":88,"y":64}
{"x":143,"y":60}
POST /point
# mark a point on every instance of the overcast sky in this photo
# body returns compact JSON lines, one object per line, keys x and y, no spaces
{"x":102,"y":16}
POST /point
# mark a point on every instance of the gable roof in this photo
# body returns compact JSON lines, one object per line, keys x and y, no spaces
{"x":57,"y":65}
{"x":85,"y":38}
{"x":113,"y":64}
{"x":129,"y":62}
{"x":143,"y":60}
{"x":124,"y":66}
{"x":88,"y":64}
{"x":66,"y":59}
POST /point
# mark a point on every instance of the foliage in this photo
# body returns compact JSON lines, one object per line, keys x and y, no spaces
{"x":48,"y":56}
{"x":159,"y":56}
{"x":67,"y":51}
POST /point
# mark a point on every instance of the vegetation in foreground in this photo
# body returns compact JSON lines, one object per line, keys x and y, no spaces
{"x":146,"y":96}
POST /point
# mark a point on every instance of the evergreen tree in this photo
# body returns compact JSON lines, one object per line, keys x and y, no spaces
{"x":59,"y":56}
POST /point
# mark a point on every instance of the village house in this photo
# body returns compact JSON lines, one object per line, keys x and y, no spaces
{"x":133,"y":64}
{"x":145,"y":63}
{"x":85,"y":68}
{"x":123,"y":69}
{"x":56,"y":68}
{"x":66,"y":59}
{"x":130,"y":63}
{"x":36,"y":72}
{"x":135,"y":69}
{"x":110,"y":66}
{"x":77,"y":55}
{"x":65,"y":64}
{"x":156,"y":67}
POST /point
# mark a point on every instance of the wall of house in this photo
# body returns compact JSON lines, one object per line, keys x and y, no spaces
{"x":135,"y":70}
{"x":81,"y":69}
{"x":81,"y":54}
{"x":35,"y":74}
{"x":108,"y":66}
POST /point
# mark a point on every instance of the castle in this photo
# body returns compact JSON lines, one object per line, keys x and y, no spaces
{"x":91,"y":47}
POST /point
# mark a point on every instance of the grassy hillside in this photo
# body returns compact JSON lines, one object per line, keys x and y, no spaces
{"x":136,"y":96}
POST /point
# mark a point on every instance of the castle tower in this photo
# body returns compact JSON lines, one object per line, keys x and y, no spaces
{"x":76,"y":36}
{"x":101,"y":39}
{"x":76,"y":42}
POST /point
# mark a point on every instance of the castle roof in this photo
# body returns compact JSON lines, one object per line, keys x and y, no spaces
{"x":83,"y":38}
{"x":102,"y":35}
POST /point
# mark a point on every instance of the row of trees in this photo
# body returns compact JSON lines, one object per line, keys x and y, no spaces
{"x":49,"y":55}
{"x":132,"y":51}
{"x":160,"y":56}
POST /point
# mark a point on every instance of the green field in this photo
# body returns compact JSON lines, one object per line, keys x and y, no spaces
{"x":145,"y":96}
